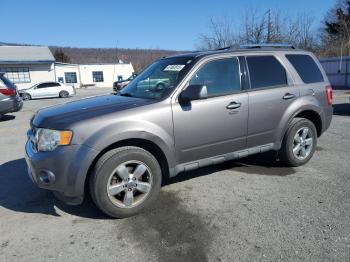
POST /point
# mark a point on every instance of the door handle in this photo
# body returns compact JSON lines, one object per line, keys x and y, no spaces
{"x":288,"y":96}
{"x":233,"y":105}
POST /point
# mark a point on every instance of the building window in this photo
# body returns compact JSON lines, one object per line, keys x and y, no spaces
{"x":71,"y":77}
{"x":97,"y":76}
{"x":16,"y":74}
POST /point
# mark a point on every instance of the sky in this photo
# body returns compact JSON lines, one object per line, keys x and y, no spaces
{"x":162,"y":24}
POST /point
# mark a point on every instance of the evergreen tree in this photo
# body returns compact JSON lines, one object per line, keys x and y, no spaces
{"x":337,"y":29}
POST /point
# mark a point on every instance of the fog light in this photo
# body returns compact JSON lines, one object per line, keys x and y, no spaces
{"x":46,"y":177}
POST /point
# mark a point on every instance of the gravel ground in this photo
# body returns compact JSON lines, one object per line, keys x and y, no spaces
{"x":248,"y":210}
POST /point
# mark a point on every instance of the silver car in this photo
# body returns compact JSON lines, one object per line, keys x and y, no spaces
{"x":216,"y":106}
{"x":47,"y":89}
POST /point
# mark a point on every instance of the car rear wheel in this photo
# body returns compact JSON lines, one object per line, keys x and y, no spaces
{"x":299,"y":143}
{"x":26,"y":97}
{"x":125,"y":181}
{"x":63,"y":94}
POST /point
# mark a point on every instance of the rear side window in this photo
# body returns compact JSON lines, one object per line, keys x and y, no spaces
{"x":54,"y":84}
{"x":266,"y":71}
{"x":45,"y":85}
{"x":42,"y":86}
{"x":221,"y":77}
{"x":306,"y":68}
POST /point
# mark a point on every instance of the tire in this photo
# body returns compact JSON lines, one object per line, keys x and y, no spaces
{"x":63,"y":94}
{"x":26,"y":97}
{"x":160,"y":87}
{"x":108,"y":176}
{"x":297,"y":148}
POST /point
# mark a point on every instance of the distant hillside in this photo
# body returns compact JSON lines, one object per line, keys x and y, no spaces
{"x":138,"y":57}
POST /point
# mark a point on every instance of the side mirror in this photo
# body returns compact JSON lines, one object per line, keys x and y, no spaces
{"x":193,"y":92}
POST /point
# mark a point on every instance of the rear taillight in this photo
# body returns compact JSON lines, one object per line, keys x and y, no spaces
{"x":329,"y":93}
{"x":7,"y":91}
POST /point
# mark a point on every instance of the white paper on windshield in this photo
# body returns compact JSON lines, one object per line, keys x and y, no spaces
{"x":175,"y":68}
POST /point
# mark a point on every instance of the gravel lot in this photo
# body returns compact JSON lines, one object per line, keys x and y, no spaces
{"x":251,"y":210}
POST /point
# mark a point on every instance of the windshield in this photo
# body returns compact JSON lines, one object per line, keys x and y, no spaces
{"x":159,"y":79}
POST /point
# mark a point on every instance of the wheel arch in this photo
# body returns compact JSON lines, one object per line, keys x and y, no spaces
{"x":314,"y":117}
{"x":145,"y":144}
{"x":310,"y":112}
{"x":63,"y":91}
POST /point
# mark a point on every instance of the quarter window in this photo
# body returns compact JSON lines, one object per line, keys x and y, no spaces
{"x":220,"y":76}
{"x":97,"y":76}
{"x":306,"y":68}
{"x":71,"y":77}
{"x":45,"y":85}
{"x":266,"y":71}
{"x":16,"y":74}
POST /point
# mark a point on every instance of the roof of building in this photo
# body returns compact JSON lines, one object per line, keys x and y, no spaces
{"x":25,"y":54}
{"x":91,"y":64}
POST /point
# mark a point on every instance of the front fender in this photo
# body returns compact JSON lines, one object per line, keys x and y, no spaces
{"x":120,"y":131}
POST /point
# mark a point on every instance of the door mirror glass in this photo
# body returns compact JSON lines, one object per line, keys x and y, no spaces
{"x":193,"y":92}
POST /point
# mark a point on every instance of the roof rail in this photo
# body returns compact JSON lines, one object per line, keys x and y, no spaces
{"x":277,"y":45}
{"x":223,"y":48}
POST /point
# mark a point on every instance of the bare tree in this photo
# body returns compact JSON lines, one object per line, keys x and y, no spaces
{"x":254,"y":28}
{"x":262,"y":27}
{"x":220,"y":35}
{"x":300,"y":31}
{"x":60,"y":56}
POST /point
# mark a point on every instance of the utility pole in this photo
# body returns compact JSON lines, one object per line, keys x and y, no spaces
{"x":269,"y":25}
{"x":116,"y":53}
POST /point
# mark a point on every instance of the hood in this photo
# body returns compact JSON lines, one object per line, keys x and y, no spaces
{"x":62,"y":116}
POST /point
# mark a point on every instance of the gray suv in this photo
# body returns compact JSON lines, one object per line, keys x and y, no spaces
{"x":215,"y":106}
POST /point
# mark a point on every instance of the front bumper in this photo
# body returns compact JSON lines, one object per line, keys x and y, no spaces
{"x":63,"y":170}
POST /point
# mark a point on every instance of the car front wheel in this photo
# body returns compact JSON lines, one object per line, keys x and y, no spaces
{"x":299,"y":143}
{"x":125,"y":181}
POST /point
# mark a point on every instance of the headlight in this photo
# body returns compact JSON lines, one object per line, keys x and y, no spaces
{"x":49,"y":140}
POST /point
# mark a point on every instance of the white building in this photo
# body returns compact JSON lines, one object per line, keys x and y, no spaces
{"x":29,"y":65}
{"x":99,"y":75}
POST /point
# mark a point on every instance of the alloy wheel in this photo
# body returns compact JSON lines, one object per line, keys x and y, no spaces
{"x":303,"y":143}
{"x":129,"y":184}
